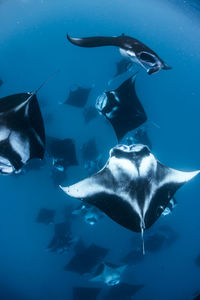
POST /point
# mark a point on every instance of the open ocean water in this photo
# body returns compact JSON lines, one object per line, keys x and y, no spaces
{"x":33,"y":45}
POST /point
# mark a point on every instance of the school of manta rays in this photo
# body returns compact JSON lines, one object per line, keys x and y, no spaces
{"x":133,"y":188}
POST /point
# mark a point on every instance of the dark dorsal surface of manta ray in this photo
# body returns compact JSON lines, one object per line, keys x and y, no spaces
{"x":22,"y":134}
{"x":133,"y":188}
{"x":46,"y":216}
{"x":122,"y":291}
{"x":86,"y":259}
{"x":62,"y":240}
{"x":109,"y":273}
{"x":78,"y":96}
{"x":85,"y":293}
{"x":129,"y":47}
{"x":122,"y":108}
{"x":62,"y":151}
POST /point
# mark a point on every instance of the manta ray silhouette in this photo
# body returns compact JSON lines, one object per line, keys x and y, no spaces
{"x":122,"y":108}
{"x":133,"y":188}
{"x":109,"y":273}
{"x":22,"y":135}
{"x":129,"y":46}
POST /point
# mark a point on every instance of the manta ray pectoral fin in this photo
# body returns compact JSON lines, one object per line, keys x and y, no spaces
{"x":97,"y":41}
{"x":83,"y":189}
{"x":180,"y":177}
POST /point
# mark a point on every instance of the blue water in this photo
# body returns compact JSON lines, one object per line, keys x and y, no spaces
{"x":33,"y":45}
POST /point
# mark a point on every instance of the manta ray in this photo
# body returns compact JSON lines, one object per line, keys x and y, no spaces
{"x":109,"y":273}
{"x":129,"y":47}
{"x":90,"y":213}
{"x":122,"y":108}
{"x":63,"y":239}
{"x":133,"y":188}
{"x":22,"y":134}
{"x":86,"y":258}
{"x":46,"y":216}
{"x":78,"y":96}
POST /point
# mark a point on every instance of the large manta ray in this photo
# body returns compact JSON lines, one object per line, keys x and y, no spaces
{"x":22,"y":135}
{"x":122,"y":108}
{"x":133,"y":188}
{"x":129,"y":46}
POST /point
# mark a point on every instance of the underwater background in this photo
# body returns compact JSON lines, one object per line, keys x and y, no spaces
{"x":33,"y":45}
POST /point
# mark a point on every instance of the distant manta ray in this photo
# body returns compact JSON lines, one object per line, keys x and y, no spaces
{"x":133,"y":188}
{"x":129,"y":46}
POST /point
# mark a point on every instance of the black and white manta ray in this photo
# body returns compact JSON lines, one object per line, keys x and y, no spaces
{"x":129,"y":46}
{"x":22,"y":135}
{"x":133,"y":188}
{"x":122,"y":108}
{"x":78,"y":96}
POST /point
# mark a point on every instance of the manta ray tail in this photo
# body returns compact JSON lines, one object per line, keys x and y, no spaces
{"x":45,"y":81}
{"x":98,"y":41}
{"x":142,"y":236}
{"x":142,"y":225}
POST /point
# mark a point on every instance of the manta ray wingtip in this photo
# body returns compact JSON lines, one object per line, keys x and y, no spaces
{"x":68,"y":37}
{"x":181,"y":177}
{"x":71,"y":39}
{"x":195,"y":173}
{"x":72,"y":190}
{"x":189,"y":175}
{"x":75,"y":41}
{"x":64,"y":189}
